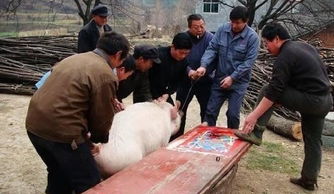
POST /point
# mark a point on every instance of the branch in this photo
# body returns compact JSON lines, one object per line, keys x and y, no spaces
{"x":81,"y":13}
{"x":226,"y":4}
{"x":244,"y":3}
{"x":12,"y":7}
{"x":261,"y":4}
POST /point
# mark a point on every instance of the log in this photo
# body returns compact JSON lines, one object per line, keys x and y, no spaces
{"x":285,"y":127}
{"x":327,"y":141}
{"x":328,"y":128}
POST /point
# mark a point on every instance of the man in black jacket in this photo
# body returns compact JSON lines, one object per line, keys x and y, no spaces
{"x":299,"y":82}
{"x":92,"y":31}
{"x":166,"y":77}
{"x":143,"y":58}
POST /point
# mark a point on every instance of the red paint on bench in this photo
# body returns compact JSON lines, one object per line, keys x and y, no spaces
{"x":180,"y":168}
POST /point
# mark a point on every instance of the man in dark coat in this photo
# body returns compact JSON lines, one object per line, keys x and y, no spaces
{"x":92,"y":31}
{"x":299,"y":82}
{"x":143,"y":58}
{"x":166,"y":77}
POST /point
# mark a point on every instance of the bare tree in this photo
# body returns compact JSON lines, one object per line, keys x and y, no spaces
{"x":281,"y":10}
{"x":84,"y":8}
{"x":9,"y":6}
{"x":127,"y":13}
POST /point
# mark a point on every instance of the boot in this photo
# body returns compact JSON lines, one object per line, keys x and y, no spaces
{"x":254,"y":137}
{"x":308,"y":185}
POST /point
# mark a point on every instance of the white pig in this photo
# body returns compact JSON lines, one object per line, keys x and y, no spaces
{"x":135,"y":132}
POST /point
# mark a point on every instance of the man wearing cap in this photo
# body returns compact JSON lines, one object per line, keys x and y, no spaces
{"x":91,"y":32}
{"x":143,"y":57}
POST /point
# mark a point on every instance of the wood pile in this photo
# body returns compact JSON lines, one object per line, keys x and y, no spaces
{"x":24,"y":60}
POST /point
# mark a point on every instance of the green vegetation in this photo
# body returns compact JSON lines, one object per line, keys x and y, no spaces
{"x":35,"y":23}
{"x":8,"y":34}
{"x":271,"y":157}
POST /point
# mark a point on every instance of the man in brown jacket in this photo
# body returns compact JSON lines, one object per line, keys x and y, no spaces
{"x":76,"y":100}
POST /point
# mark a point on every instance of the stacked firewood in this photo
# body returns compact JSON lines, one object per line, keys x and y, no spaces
{"x":24,"y":60}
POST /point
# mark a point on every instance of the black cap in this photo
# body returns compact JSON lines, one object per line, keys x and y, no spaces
{"x":100,"y":10}
{"x":147,"y":52}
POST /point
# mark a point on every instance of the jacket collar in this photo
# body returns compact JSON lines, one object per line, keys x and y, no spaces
{"x":194,"y":39}
{"x":243,"y":34}
{"x":103,"y":54}
{"x":284,"y":44}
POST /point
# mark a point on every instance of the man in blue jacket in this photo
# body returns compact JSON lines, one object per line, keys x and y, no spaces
{"x":236,"y":45}
{"x":192,"y":85}
{"x":92,"y":31}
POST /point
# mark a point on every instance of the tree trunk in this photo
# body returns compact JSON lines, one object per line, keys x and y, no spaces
{"x":287,"y":128}
{"x":251,"y":8}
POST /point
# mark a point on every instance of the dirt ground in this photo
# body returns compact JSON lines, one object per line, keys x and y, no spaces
{"x":22,"y":171}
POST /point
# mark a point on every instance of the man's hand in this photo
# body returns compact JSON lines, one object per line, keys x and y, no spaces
{"x":249,"y":123}
{"x":118,"y":105}
{"x":201,"y":71}
{"x":95,"y":148}
{"x":161,"y":99}
{"x":251,"y":119}
{"x":226,"y":83}
{"x":193,"y":75}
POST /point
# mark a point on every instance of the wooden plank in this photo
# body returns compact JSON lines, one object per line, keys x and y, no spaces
{"x":193,"y":163}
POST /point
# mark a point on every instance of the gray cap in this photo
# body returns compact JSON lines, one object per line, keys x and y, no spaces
{"x":100,"y":10}
{"x":147,"y":52}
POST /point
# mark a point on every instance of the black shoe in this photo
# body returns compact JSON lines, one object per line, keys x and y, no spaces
{"x":308,"y":185}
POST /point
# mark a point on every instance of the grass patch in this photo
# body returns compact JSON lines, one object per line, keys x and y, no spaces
{"x":272,"y":157}
{"x":8,"y":34}
{"x":44,"y":21}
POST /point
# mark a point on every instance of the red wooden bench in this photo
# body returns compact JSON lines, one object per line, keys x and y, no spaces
{"x":197,"y":162}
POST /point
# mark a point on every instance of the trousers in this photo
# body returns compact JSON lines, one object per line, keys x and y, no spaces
{"x":313,"y":109}
{"x":218,"y":96}
{"x":68,"y":169}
